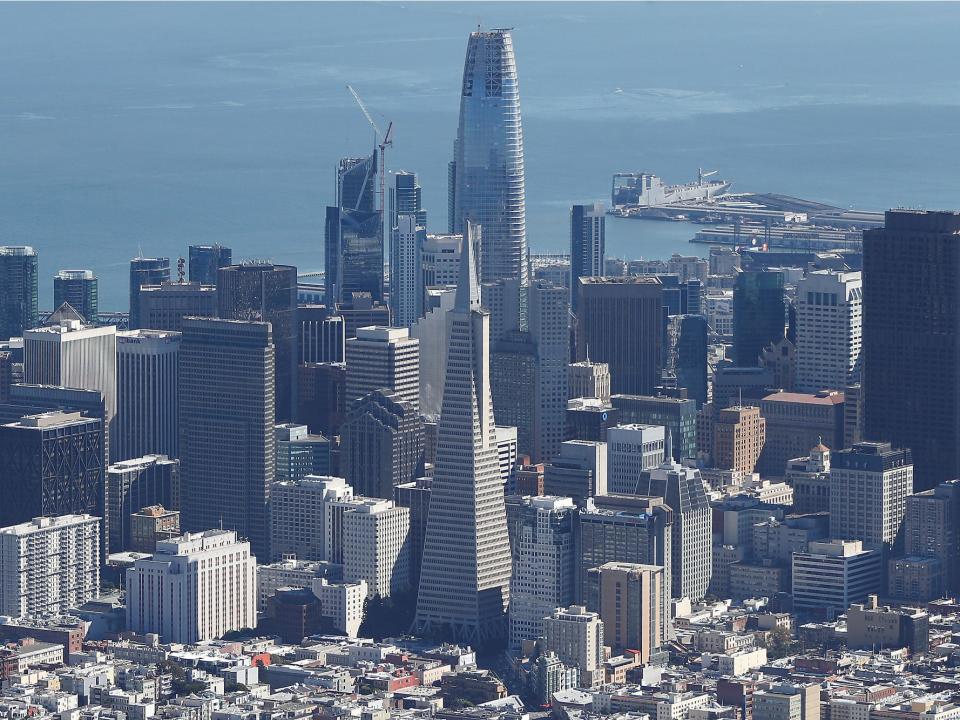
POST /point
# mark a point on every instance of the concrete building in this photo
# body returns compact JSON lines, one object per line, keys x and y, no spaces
{"x":342,"y":604}
{"x":810,"y":478}
{"x":441,"y":260}
{"x":150,"y":524}
{"x":829,"y":309}
{"x":299,"y":513}
{"x":541,"y":541}
{"x":321,"y":334}
{"x":381,"y":357}
{"x":588,"y":379}
{"x":322,"y":397}
{"x":49,"y":565}
{"x":147,"y":401}
{"x":874,"y":627}
{"x":731,"y":438}
{"x":145,"y":271}
{"x":292,"y":573}
{"x":932,"y":530}
{"x":587,"y":247}
{"x":376,"y":546}
{"x":832,"y":575}
{"x":677,"y":415}
{"x":407,"y":237}
{"x":629,"y":598}
{"x":196,"y":587}
{"x":164,"y":306}
{"x":576,"y":635}
{"x":869,"y":486}
{"x":787,"y":701}
{"x":578,"y":471}
{"x":548,"y":317}
{"x":631,"y":449}
{"x":300,"y":453}
{"x":795,"y":422}
{"x":79,"y":288}
{"x":206,"y":260}
{"x":135,"y":484}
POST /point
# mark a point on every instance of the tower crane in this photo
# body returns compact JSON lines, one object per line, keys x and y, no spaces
{"x":382,"y":140}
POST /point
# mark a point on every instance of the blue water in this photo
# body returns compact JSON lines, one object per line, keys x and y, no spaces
{"x":152,"y":126}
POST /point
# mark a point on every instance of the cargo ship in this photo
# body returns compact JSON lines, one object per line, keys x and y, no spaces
{"x":648,"y":190}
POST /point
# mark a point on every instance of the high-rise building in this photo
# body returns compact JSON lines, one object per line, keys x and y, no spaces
{"x":869,"y":486}
{"x":299,"y":516}
{"x":932,"y":530}
{"x":353,"y":254}
{"x":145,"y":271}
{"x":376,"y":546}
{"x":590,"y":419}
{"x":383,"y":358}
{"x":759,"y":314}
{"x":578,"y":471}
{"x":506,"y":301}
{"x":147,"y":402}
{"x":227,"y":448}
{"x":357,"y":183}
{"x":362,"y":311}
{"x":206,"y":260}
{"x":441,"y":260}
{"x":576,"y":635}
{"x":488,"y":167}
{"x":629,"y":599}
{"x":465,"y":575}
{"x":150,"y":524}
{"x":322,"y":334}
{"x":136,"y":484}
{"x":19,"y":303}
{"x":620,"y":322}
{"x":79,"y":289}
{"x":588,"y":379}
{"x":406,"y":270}
{"x":731,"y":438}
{"x":829,"y":319}
{"x":164,"y":306}
{"x":832,"y":575}
{"x":196,"y":587}
{"x":322,"y":397}
{"x":587,"y":244}
{"x":381,"y":444}
{"x":795,"y":422}
{"x":415,"y":496}
{"x":513,"y":386}
{"x":911,"y":350}
{"x":49,"y":565}
{"x":690,"y":365}
{"x":300,"y":453}
{"x":548,"y":317}
{"x":677,"y":415}
{"x":544,"y":573}
{"x":631,"y":449}
{"x":267,"y":293}
{"x":406,"y":198}
{"x":810,"y":479}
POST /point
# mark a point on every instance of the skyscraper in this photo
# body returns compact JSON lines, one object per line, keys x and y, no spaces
{"x":829,"y":319}
{"x":227,"y":426}
{"x":513,"y":385}
{"x":631,"y":449}
{"x":267,"y":293}
{"x":357,"y":183}
{"x":405,"y":198}
{"x":135,"y":484}
{"x":18,"y":290}
{"x":383,"y":357}
{"x":587,"y":245}
{"x":549,"y":321}
{"x":406,"y":270}
{"x":206,"y":260}
{"x":465,"y":575}
{"x":911,"y":339}
{"x":691,"y":359}
{"x":79,"y":288}
{"x":488,"y":166}
{"x":758,"y":314}
{"x":164,"y":306}
{"x":353,"y":254}
{"x":145,"y":271}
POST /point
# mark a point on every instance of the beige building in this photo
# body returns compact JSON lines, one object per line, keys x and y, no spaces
{"x":787,"y":702}
{"x":795,"y":422}
{"x":871,"y":626}
{"x":588,"y":379}
{"x":576,"y":635}
{"x":734,"y":437}
{"x":629,"y":598}
{"x":151,"y":524}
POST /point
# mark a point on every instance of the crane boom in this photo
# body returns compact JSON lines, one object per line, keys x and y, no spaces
{"x":366,"y":113}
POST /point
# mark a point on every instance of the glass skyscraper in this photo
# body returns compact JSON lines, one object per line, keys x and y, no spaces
{"x":488,"y":185}
{"x":18,"y":290}
{"x":79,"y":288}
{"x":758,"y":315}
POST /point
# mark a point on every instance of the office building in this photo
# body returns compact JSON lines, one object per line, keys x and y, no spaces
{"x":383,"y":358}
{"x":576,"y":635}
{"x":541,"y":541}
{"x":578,"y":471}
{"x":832,"y":575}
{"x":322,"y":334}
{"x":631,"y":449}
{"x":677,"y":415}
{"x":587,"y":245}
{"x":590,"y":419}
{"x":809,"y":477}
{"x":795,"y":422}
{"x":415,"y":496}
{"x":300,"y":453}
{"x":51,"y":464}
{"x":911,"y":350}
{"x":588,"y":379}
{"x":196,"y":587}
{"x":299,"y":511}
{"x":732,"y":438}
{"x":932,"y":530}
{"x":505,"y":300}
{"x":629,"y":599}
{"x":514,"y":381}
{"x":356,"y":182}
{"x":362,"y":311}
{"x":148,"y":375}
{"x":548,"y":318}
{"x":150,"y":524}
{"x":690,"y":344}
{"x":441,"y":260}
{"x":227,"y":447}
{"x":321,"y":397}
{"x":528,"y":478}
{"x":145,"y":271}
{"x":852,"y":414}
{"x":465,"y":575}
{"x":620,"y":322}
{"x":136,"y":484}
{"x":869,"y":486}
{"x":873,"y":627}
{"x":759,"y":314}
{"x":381,"y":444}
{"x":353,"y":254}
{"x":267,"y":293}
{"x":508,"y":458}
{"x":829,"y":321}
{"x":342,"y":604}
{"x":164,"y":306}
{"x":406,"y":198}
{"x":787,"y":701}
{"x":406,"y":270}
{"x":733,"y":385}
{"x":49,"y":565}
{"x":376,"y":546}
{"x":19,"y":303}
{"x":488,"y":176}
{"x":78,"y":288}
{"x":206,"y":260}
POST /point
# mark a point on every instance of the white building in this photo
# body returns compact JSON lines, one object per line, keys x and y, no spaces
{"x":548,"y":315}
{"x":288,"y":572}
{"x":576,"y":635}
{"x":195,"y":587}
{"x":299,"y":512}
{"x":832,"y":575}
{"x":49,"y":565}
{"x":147,"y":407}
{"x":441,"y":260}
{"x":406,"y":270}
{"x":507,"y":453}
{"x":579,"y":470}
{"x":829,"y":315}
{"x":431,"y":331}
{"x":383,"y":357}
{"x":376,"y":546}
{"x":631,"y":449}
{"x":342,"y":603}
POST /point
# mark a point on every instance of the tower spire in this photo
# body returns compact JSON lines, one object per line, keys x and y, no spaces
{"x":468,"y":288}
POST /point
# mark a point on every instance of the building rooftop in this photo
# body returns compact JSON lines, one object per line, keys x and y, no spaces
{"x":46,"y":523}
{"x":824,"y":397}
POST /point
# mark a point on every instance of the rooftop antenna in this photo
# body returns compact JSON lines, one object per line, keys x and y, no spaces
{"x":740,"y":393}
{"x":180,"y":264}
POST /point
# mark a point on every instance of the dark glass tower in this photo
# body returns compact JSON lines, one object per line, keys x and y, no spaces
{"x":79,"y":288}
{"x":268,"y":293}
{"x":758,"y":314}
{"x":18,"y":290}
{"x":205,"y":260}
{"x":691,"y":362}
{"x":405,"y":198}
{"x":911,"y":332}
{"x":357,"y":183}
{"x":145,"y":271}
{"x":353,"y":255}
{"x":587,"y":244}
{"x":488,"y":168}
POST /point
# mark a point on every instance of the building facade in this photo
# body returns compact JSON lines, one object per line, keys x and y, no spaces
{"x":759,"y":314}
{"x":829,"y":329}
{"x":136,"y":484}
{"x":382,"y":357}
{"x":587,"y":245}
{"x":79,"y":289}
{"x":631,"y":449}
{"x":145,"y":271}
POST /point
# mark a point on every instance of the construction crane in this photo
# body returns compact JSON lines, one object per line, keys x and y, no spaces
{"x":382,"y":140}
{"x":701,"y":175}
